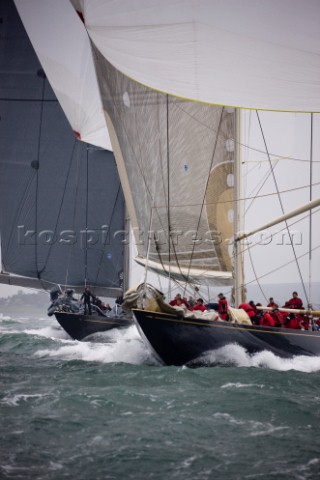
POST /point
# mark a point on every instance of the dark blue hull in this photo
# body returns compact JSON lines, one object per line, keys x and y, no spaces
{"x":81,"y":326}
{"x":180,"y":341}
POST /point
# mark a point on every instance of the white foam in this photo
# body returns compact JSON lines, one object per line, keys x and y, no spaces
{"x":241,"y":385}
{"x":15,"y":400}
{"x":255,"y":428}
{"x":48,"y":332}
{"x":123,"y":346}
{"x":236,"y":355}
{"x":4,"y":318}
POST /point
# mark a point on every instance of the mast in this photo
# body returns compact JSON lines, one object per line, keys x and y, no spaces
{"x":237,"y":219}
{"x":126,"y":252}
{"x":86,"y":218}
{"x":168,"y":199}
{"x":310,"y":213}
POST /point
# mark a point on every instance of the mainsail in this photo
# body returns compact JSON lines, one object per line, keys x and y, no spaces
{"x":61,"y":202}
{"x":177,"y":157}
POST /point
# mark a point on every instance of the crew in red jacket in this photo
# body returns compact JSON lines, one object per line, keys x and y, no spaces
{"x":247,"y":308}
{"x":223,"y":306}
{"x":251,"y":312}
{"x":198,"y":306}
{"x":178,"y":300}
{"x":272,"y":303}
{"x":295,"y":302}
{"x":278,"y":317}
{"x":267,"y":320}
{"x":293,"y":321}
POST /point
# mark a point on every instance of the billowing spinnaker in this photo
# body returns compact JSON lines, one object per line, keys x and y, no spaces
{"x":251,"y":54}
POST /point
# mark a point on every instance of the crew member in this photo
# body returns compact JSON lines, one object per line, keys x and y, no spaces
{"x":86,"y":297}
{"x":255,"y":319}
{"x":177,"y":299}
{"x":267,"y":320}
{"x":199,"y":306}
{"x":223,"y":306}
{"x":293,"y":321}
{"x":272,"y":303}
{"x":295,"y":302}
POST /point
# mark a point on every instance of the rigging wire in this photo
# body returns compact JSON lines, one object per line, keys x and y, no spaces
{"x":305,"y":217}
{"x":134,"y":156}
{"x":255,"y":275}
{"x":206,"y":186}
{"x":100,"y":263}
{"x":284,"y":265}
{"x":24,"y":197}
{"x":282,"y":208}
{"x":166,"y":181}
{"x":255,"y":197}
{"x":77,"y":183}
{"x":60,"y":206}
{"x":117,"y":111}
{"x":148,"y":253}
{"x":168,"y":206}
{"x":42,"y":75}
{"x":250,"y":247}
{"x":246,"y":146}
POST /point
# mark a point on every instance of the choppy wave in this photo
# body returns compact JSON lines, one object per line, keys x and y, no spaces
{"x":126,"y":346}
{"x":234,"y":355}
{"x":115,"y":346}
{"x":16,"y":400}
{"x":104,"y":408}
{"x":48,"y":332}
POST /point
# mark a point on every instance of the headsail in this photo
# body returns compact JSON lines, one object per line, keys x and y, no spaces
{"x":63,"y":48}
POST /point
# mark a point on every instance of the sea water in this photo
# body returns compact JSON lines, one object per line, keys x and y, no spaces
{"x":105,"y":409}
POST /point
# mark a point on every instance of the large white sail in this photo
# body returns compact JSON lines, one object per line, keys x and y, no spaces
{"x":248,"y":53}
{"x":163,"y":78}
{"x":61,"y":202}
{"x":177,"y":157}
{"x":63,"y":48}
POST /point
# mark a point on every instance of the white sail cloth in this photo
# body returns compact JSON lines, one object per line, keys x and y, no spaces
{"x":63,"y":48}
{"x":252,"y":54}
